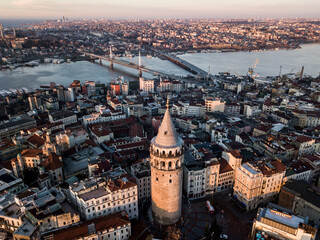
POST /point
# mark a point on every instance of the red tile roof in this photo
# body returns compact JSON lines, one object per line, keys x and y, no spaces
{"x":52,"y":162}
{"x":36,"y":140}
{"x":224,"y":166}
{"x":101,"y":224}
{"x":31,"y":152}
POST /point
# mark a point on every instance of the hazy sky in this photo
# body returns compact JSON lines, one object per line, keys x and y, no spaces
{"x":118,"y":9}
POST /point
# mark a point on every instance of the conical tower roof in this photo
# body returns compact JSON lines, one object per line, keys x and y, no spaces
{"x":167,"y":136}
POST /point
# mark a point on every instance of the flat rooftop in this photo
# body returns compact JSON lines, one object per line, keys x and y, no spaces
{"x":250,"y":168}
{"x":26,"y":229}
{"x":96,"y":193}
{"x":78,"y":162}
{"x":282,"y":217}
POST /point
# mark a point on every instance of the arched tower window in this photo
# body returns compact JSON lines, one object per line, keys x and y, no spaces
{"x":170,"y":165}
{"x":178,"y":164}
{"x":163,"y":164}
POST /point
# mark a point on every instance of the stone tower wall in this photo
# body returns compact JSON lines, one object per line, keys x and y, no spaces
{"x":166,"y":188}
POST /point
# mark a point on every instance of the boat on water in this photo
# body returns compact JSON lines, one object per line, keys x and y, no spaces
{"x":149,"y":56}
{"x":58,"y":61}
{"x":32,"y":63}
{"x":4,"y":67}
{"x":47,"y":60}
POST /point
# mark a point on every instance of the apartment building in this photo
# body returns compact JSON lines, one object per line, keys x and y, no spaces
{"x":214,"y":104}
{"x":275,"y":222}
{"x":257,"y":183}
{"x":104,"y":197}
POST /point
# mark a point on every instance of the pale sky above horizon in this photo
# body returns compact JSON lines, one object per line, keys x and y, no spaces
{"x":143,"y":9}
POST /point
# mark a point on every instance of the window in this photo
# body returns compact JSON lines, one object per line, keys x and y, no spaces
{"x":157,"y":179}
{"x":170,"y":181}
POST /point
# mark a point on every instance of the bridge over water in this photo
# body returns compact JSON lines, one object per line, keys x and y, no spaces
{"x":180,"y":62}
{"x":186,"y":65}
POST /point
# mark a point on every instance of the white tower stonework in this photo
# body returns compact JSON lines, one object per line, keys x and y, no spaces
{"x":166,"y":160}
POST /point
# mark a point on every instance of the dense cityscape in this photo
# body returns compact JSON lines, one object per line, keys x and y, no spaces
{"x":200,"y":157}
{"x":65,"y":39}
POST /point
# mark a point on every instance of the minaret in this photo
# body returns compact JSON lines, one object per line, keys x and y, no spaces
{"x":14,"y":32}
{"x":1,"y":30}
{"x":166,"y":160}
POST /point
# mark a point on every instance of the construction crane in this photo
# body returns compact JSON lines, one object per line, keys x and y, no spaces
{"x":238,"y":75}
{"x":251,"y":69}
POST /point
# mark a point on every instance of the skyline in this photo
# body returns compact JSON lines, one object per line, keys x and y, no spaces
{"x":141,"y":9}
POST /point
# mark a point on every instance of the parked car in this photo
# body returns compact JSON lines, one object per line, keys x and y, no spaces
{"x":210,"y":207}
{"x":223,"y":236}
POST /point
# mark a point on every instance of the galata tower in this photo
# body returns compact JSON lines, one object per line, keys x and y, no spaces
{"x":166,"y":160}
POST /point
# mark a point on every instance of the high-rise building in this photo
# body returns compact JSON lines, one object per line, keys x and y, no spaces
{"x":146,"y":86}
{"x":166,"y":160}
{"x":125,"y":88}
{"x":115,"y":89}
{"x":90,"y":88}
{"x":33,"y":102}
{"x":60,"y":93}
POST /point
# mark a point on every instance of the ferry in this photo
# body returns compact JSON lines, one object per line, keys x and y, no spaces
{"x":149,"y":56}
{"x":33,"y":63}
{"x":58,"y":61}
{"x":47,"y":60}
